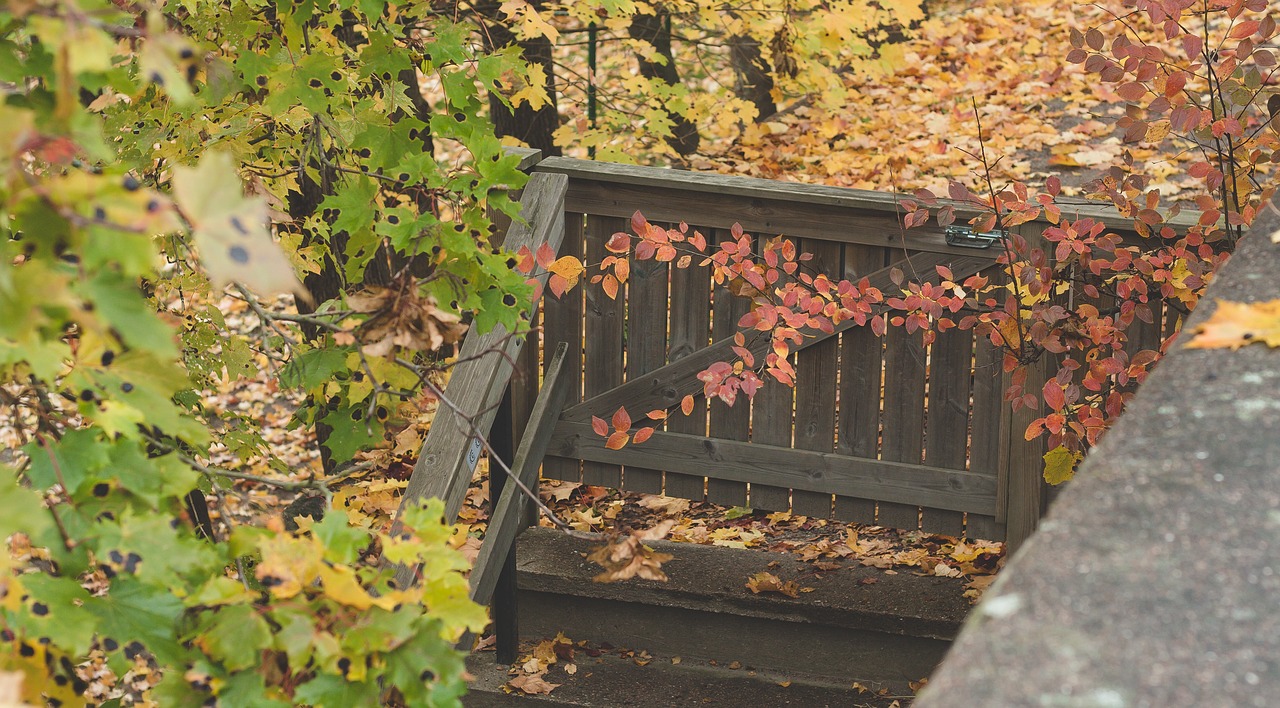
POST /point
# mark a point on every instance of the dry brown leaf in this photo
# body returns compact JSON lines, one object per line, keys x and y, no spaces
{"x":627,"y":557}
{"x":533,"y":684}
{"x":768,"y":582}
{"x":664,"y":505}
{"x":400,"y":316}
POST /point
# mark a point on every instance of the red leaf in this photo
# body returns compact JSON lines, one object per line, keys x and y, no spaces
{"x":639,"y":224}
{"x":1053,"y":395}
{"x":619,"y":243}
{"x":656,"y":414}
{"x":545,"y":255}
{"x":642,"y":435}
{"x":1244,"y":29}
{"x":1131,"y":91}
{"x":598,"y":425}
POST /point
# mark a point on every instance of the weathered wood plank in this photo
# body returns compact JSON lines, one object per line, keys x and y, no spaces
{"x":861,"y":369}
{"x":947,"y":424}
{"x":727,"y":422}
{"x":505,"y":522}
{"x":1024,"y":468}
{"x":562,"y":322}
{"x":690,"y":331}
{"x":816,"y":375}
{"x":665,"y":387}
{"x":602,"y":345}
{"x":647,"y":303}
{"x":903,"y":417}
{"x":452,"y":448}
{"x":784,"y":467}
{"x":985,"y":428}
{"x":758,"y":215}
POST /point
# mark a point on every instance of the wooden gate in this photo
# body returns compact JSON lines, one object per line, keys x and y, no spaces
{"x":879,"y":430}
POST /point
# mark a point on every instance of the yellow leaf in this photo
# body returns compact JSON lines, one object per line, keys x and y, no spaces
{"x":1235,"y":324}
{"x":534,"y":92}
{"x":1157,"y":131}
{"x":529,"y":23}
{"x":1060,"y":464}
{"x":569,"y":268}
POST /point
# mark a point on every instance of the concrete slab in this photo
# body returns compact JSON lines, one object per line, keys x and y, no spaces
{"x":1155,"y":579}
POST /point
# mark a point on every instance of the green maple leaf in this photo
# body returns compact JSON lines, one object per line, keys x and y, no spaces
{"x":236,"y":637}
{"x":134,"y":611}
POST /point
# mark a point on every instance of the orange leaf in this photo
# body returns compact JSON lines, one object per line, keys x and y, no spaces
{"x":621,"y":420}
{"x":617,"y":440}
{"x":686,"y":405}
{"x":656,"y":414}
{"x":642,"y":435}
{"x":599,"y":426}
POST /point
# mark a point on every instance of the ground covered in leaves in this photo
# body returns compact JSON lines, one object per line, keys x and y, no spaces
{"x":1036,"y":115}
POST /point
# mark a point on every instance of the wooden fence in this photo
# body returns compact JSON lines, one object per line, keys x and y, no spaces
{"x":879,"y":430}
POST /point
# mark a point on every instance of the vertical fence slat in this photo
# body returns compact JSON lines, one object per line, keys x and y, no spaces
{"x":1024,"y":469}
{"x":861,"y":369}
{"x":562,"y":322}
{"x":1146,"y":335}
{"x":690,"y":331}
{"x":771,"y":425}
{"x":727,"y":422}
{"x":985,"y":425}
{"x":646,"y":349}
{"x":904,"y":370}
{"x":816,"y":372}
{"x":603,"y":351}
{"x":947,"y":425}
{"x":771,"y":421}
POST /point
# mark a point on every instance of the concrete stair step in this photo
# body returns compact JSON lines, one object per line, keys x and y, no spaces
{"x":616,"y":682}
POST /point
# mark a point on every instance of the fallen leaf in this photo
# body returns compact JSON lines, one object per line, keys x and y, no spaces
{"x":625,"y":557}
{"x":1235,"y":324}
{"x":768,"y":582}
{"x":532,"y":684}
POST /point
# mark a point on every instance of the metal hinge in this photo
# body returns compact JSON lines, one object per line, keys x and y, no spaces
{"x":965,"y":237}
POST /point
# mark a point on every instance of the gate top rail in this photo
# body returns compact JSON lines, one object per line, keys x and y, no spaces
{"x":709,"y":185}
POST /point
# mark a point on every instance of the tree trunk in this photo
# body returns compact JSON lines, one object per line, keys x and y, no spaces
{"x":684,"y":138}
{"x":536,"y":128}
{"x":754,"y":76}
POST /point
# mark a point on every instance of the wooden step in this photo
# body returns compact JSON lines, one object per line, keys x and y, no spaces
{"x":850,"y":625}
